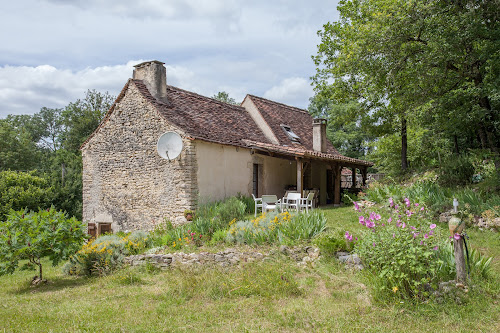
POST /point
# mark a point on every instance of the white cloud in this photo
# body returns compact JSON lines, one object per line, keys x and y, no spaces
{"x":294,"y":91}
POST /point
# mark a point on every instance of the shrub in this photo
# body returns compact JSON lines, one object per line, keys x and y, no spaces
{"x":330,"y":244}
{"x":230,"y":209}
{"x":33,"y":236}
{"x":277,"y":228}
{"x":137,"y":242}
{"x":98,"y":257}
{"x":402,"y":251}
{"x":348,"y":198}
{"x":456,"y":170}
{"x":23,"y":190}
{"x":249,"y":203}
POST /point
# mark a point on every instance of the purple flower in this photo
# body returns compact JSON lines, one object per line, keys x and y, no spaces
{"x":404,"y":225}
{"x":391,"y":202}
{"x":370,"y":224}
{"x":416,"y":205}
{"x":457,"y":236}
{"x":407,"y":201}
{"x":431,"y":232}
{"x":374,"y":244}
{"x":389,"y":220}
{"x":436,"y":248}
{"x":393,"y":235}
{"x":421,"y":242}
{"x":432,"y":226}
{"x":356,"y":206}
{"x":362,"y":220}
{"x":348,"y":237}
{"x":374,"y":216}
{"x":426,"y":236}
{"x":413,"y":228}
{"x":408,"y":212}
{"x":396,"y":207}
{"x":422,"y":209}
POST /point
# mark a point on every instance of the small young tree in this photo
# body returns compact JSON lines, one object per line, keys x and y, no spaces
{"x":34,"y":235}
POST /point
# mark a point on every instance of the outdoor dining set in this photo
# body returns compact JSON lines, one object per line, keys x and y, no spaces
{"x":291,"y":201}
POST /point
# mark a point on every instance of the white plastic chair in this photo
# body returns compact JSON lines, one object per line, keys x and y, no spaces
{"x":270,"y":202}
{"x":258,"y":204}
{"x":307,"y":202}
{"x":292,"y":201}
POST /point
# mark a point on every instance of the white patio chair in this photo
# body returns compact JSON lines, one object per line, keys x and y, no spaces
{"x":307,"y":202}
{"x":292,"y":201}
{"x":270,"y":202}
{"x":258,"y":204}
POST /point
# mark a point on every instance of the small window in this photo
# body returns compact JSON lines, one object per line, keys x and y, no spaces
{"x":291,"y":135}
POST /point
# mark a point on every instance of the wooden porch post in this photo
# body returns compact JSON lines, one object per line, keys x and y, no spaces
{"x":363,"y":176}
{"x":353,"y":177}
{"x":300,"y":175}
{"x":337,"y":172}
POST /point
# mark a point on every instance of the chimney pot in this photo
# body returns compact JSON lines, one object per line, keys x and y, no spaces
{"x":154,"y":76}
{"x":319,"y":135}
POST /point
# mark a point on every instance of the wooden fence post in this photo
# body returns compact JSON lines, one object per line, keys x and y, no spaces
{"x":458,"y":245}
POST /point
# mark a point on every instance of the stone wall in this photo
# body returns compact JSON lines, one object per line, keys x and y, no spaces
{"x":125,"y":181}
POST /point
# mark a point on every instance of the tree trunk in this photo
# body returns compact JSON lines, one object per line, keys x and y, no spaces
{"x":455,"y":140}
{"x":404,"y":146}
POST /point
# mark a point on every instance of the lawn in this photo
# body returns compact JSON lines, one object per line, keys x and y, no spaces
{"x":273,"y":295}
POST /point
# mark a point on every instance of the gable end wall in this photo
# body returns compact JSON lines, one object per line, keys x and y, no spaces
{"x":125,"y":182}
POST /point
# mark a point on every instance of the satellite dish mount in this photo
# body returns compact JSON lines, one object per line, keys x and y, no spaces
{"x":169,"y":146}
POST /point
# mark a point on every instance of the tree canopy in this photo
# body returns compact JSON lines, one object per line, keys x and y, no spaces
{"x":431,"y":65}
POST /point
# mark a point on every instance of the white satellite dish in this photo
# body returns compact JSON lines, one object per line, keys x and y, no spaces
{"x":169,"y":145}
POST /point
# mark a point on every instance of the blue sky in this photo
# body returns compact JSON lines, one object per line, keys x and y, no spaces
{"x":52,"y":51}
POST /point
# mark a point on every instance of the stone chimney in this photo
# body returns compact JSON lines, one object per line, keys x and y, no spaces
{"x":154,"y":76}
{"x":319,"y":135}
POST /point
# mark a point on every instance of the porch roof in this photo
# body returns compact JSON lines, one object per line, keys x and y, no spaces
{"x":305,"y":153}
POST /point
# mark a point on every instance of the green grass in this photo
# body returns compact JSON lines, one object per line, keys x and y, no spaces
{"x":274,"y":295}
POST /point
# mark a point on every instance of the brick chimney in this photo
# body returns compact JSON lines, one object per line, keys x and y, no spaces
{"x":154,"y":76}
{"x":319,"y":135}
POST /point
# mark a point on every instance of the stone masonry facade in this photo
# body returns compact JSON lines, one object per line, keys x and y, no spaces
{"x":125,"y":181}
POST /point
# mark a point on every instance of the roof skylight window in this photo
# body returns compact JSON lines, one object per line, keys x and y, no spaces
{"x":291,"y":135}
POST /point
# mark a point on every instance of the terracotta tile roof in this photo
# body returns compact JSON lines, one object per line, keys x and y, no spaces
{"x":205,"y":118}
{"x":306,"y":153}
{"x":299,"y":120}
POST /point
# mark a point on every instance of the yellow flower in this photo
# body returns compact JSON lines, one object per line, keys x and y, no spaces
{"x":394,"y":289}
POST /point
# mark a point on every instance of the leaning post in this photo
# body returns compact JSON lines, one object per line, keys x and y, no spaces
{"x":456,"y":227}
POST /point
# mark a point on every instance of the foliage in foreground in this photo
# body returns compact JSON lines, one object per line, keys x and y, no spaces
{"x":402,"y":249}
{"x":35,"y":235}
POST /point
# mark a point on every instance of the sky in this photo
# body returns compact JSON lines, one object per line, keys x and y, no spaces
{"x":53,"y":51}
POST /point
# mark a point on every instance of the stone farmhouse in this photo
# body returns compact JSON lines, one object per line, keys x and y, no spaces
{"x":259,"y":147}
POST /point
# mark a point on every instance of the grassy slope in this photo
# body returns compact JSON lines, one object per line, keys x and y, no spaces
{"x":271,"y":296}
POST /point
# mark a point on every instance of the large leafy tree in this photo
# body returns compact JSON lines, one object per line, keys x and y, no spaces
{"x":430,"y":63}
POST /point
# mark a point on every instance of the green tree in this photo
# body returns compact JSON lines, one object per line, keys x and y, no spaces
{"x":32,"y":236}
{"x":347,"y":129}
{"x":20,"y":190}
{"x":223,"y":96}
{"x":82,"y":117}
{"x":433,"y":63}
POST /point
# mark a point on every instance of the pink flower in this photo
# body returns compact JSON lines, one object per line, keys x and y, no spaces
{"x":393,"y":235}
{"x":362,"y":220}
{"x":348,"y":237}
{"x":457,"y":236}
{"x":408,"y":213}
{"x":422,"y":209}
{"x":370,"y":224}
{"x":436,"y":248}
{"x":404,"y":225}
{"x":356,"y":206}
{"x":431,"y":232}
{"x":407,"y":201}
{"x":413,"y":228}
{"x":374,"y":244}
{"x":416,"y":205}
{"x":432,"y":226}
{"x":421,"y":242}
{"x":389,"y":220}
{"x":396,"y":207}
{"x":426,"y":236}
{"x":391,"y":202}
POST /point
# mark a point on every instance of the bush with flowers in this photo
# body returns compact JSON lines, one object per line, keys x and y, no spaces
{"x":98,"y":257}
{"x":276,"y":228}
{"x":402,"y":248}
